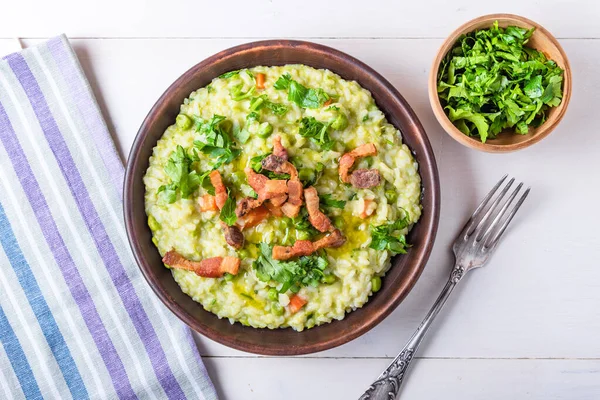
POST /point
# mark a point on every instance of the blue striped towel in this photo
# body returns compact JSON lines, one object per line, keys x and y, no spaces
{"x":77,"y":320}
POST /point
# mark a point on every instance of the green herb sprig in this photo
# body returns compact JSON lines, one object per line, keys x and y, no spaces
{"x":214,"y":141}
{"x":184,"y":180}
{"x":390,"y":237}
{"x":301,"y":95}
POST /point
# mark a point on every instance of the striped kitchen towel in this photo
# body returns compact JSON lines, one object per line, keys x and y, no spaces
{"x":77,"y":319}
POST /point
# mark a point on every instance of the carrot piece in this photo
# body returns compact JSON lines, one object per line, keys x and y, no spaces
{"x":328,"y":102}
{"x":260,"y":81}
{"x":207,"y":203}
{"x":296,"y":303}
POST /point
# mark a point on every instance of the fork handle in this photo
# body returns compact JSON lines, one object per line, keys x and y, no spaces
{"x":387,"y":385}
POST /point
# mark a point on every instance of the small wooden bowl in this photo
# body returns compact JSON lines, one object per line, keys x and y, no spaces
{"x":506,"y":141}
{"x":405,"y":269}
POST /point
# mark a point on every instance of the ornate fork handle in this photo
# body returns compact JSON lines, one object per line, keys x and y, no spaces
{"x":387,"y":385}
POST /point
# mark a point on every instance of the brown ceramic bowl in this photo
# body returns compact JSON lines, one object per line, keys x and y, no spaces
{"x":507,"y":141}
{"x":398,"y":281}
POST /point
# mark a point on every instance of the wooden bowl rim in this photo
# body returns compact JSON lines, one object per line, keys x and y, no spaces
{"x":543,"y":131}
{"x":430,"y":189}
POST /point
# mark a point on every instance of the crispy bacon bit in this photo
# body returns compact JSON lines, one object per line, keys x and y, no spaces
{"x":296,"y":303}
{"x":367,"y":210}
{"x":253,"y":218}
{"x":233,"y":236}
{"x":319,"y":220}
{"x":207,"y":203}
{"x":334,"y":239}
{"x":274,"y":188}
{"x":260,"y":81}
{"x":245,"y":205}
{"x":279,"y":166}
{"x":214,"y":267}
{"x":278,"y":149}
{"x":348,"y":159}
{"x":300,"y":248}
{"x":273,"y":209}
{"x":291,"y":208}
{"x":220,"y":191}
{"x":365,"y":178}
{"x":279,"y":200}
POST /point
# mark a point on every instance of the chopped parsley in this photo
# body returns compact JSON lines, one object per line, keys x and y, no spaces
{"x":184,"y":180}
{"x":389,"y":237}
{"x":301,"y":95}
{"x":490,"y":81}
{"x":214,"y":141}
{"x":256,"y":165}
{"x":229,"y":74}
{"x":262,"y":101}
{"x":316,"y":131}
{"x":228,"y":211}
{"x":292,"y":275}
{"x":327,"y":201}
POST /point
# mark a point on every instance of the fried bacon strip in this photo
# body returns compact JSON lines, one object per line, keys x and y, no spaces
{"x":214,"y":267}
{"x":292,"y":207}
{"x":246,"y":205}
{"x":317,"y":219}
{"x":253,"y":217}
{"x":279,"y":166}
{"x":306,"y":247}
{"x":220,"y":190}
{"x":233,"y":236}
{"x":365,"y":178}
{"x":348,"y":160}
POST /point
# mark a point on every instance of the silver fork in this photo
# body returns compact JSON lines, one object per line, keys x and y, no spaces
{"x":472,"y":248}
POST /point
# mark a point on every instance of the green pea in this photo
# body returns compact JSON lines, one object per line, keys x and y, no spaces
{"x":277,"y":309}
{"x":306,"y":174}
{"x":265,"y":129}
{"x":153,"y":223}
{"x":375,"y":284}
{"x":244,"y":253}
{"x":273,"y":294}
{"x":228,"y":277}
{"x":391,"y":195}
{"x":320,"y":166}
{"x":328,"y":279}
{"x":302,"y":235}
{"x":340,"y":123}
{"x":183,"y":121}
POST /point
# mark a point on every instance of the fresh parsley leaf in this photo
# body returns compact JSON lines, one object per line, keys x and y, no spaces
{"x":214,"y":141}
{"x":237,"y":93}
{"x":228,"y":211}
{"x":389,"y":236}
{"x":262,"y":101}
{"x":317,"y":131}
{"x":306,"y":271}
{"x":229,"y":74}
{"x":491,"y":81}
{"x":183,"y":179}
{"x":301,"y":95}
{"x":253,"y":116}
{"x":327,"y":201}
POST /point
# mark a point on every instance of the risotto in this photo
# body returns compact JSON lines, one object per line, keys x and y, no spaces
{"x":279,"y":196}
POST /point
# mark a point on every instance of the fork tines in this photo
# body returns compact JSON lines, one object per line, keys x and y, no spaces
{"x":488,"y":222}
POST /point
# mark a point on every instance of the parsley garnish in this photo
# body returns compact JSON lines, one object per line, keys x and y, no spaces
{"x":306,"y":271}
{"x":228,"y":211}
{"x":317,"y":131}
{"x":301,"y":95}
{"x":490,"y":81}
{"x":183,"y":179}
{"x":327,"y":201}
{"x":388,"y":236}
{"x":262,"y":101}
{"x":229,"y":74}
{"x":215,"y":141}
{"x":237,"y":94}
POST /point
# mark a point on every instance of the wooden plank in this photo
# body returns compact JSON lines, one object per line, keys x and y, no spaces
{"x":268,"y":18}
{"x":342,"y":379}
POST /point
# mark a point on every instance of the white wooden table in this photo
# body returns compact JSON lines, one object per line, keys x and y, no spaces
{"x":525,"y":327}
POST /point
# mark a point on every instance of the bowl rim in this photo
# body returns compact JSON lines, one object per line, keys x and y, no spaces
{"x":544,"y":130}
{"x":432,"y":186}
